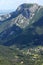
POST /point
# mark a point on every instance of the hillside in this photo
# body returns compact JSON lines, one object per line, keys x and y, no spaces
{"x":21,"y":36}
{"x":24,"y":26}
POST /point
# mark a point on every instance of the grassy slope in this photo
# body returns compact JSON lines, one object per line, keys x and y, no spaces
{"x":15,"y":56}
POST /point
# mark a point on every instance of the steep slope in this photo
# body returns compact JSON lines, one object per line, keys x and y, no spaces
{"x":24,"y":26}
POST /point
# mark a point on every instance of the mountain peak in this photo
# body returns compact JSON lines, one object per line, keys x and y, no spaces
{"x":25,"y":5}
{"x":25,"y":9}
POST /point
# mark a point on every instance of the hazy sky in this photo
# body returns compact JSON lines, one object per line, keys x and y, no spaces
{"x":13,"y":4}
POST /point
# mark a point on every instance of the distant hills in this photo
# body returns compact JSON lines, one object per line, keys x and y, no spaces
{"x":4,"y":12}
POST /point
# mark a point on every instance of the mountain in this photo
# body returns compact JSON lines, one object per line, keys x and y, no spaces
{"x":21,"y":36}
{"x":24,"y":26}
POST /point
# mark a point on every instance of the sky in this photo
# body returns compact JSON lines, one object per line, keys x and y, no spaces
{"x":13,"y":4}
